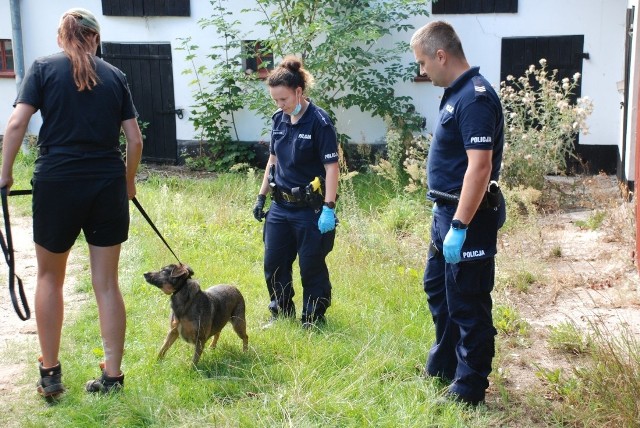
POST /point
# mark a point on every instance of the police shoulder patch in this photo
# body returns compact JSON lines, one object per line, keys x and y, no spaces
{"x":323,"y":118}
{"x":479,"y":86}
{"x":279,"y":111}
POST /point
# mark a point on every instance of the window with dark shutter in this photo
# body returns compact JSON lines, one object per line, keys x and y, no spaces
{"x":459,"y":7}
{"x":146,"y":8}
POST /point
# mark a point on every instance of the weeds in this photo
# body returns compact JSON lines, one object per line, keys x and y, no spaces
{"x":521,"y":281}
{"x":567,"y":338}
{"x":362,"y":369}
{"x":508,"y":321}
{"x":593,"y":222}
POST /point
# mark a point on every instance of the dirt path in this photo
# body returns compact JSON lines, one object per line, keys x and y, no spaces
{"x":13,"y":331}
{"x":580,"y":276}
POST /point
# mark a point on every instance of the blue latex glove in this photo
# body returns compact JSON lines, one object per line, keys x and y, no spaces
{"x":327,"y":220}
{"x":452,"y":245}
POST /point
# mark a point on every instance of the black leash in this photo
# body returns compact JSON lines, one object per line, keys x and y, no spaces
{"x":153,"y":226}
{"x":7,"y":249}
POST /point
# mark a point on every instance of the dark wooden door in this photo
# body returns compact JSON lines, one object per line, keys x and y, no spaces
{"x":564,"y":53}
{"x":149,"y":72}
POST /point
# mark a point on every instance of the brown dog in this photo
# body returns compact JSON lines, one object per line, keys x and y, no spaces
{"x":198,"y":315}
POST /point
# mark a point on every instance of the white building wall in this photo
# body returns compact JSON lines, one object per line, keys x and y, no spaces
{"x":601,"y":22}
{"x":632,"y":111}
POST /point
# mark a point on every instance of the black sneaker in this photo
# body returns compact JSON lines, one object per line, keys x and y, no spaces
{"x":105,"y":384}
{"x":50,"y":384}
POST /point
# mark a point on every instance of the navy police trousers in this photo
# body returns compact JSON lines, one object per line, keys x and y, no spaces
{"x":291,"y":232}
{"x":460,"y":303}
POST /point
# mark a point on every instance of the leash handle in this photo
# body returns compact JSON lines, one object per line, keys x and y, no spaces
{"x":7,"y":249}
{"x":153,"y":226}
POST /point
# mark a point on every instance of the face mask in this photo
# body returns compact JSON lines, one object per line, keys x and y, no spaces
{"x":296,"y":110}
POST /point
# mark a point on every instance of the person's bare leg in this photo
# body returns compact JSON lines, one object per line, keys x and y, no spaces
{"x":111,"y":310}
{"x":49,"y":302}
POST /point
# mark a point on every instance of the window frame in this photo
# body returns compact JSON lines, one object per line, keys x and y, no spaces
{"x":142,"y":8}
{"x":254,"y":50}
{"x":419,"y":78}
{"x":466,"y":7}
{"x":4,"y":70}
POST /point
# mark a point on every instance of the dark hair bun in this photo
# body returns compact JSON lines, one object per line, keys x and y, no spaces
{"x":291,"y":63}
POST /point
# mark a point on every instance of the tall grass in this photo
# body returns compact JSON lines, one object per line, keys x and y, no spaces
{"x":364,"y":368}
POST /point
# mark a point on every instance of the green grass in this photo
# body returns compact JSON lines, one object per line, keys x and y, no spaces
{"x":593,"y":222}
{"x":364,"y":368}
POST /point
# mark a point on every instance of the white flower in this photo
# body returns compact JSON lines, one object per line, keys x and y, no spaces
{"x":510,"y":78}
{"x":576,"y":76}
{"x":543,"y":62}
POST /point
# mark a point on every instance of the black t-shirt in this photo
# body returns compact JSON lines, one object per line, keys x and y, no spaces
{"x":81,"y":128}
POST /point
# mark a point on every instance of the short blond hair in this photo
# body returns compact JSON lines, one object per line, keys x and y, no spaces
{"x":437,"y":35}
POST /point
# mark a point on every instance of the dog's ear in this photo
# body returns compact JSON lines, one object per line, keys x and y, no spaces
{"x":180,"y":270}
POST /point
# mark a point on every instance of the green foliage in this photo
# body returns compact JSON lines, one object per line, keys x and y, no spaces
{"x":559,"y":385}
{"x":521,"y":281}
{"x":593,"y":222}
{"x":123,"y":140}
{"x":218,"y":94}
{"x":405,"y":162}
{"x":508,"y":321}
{"x":604,"y":390}
{"x":566,"y":337}
{"x":541,"y":123}
{"x":556,"y":251}
{"x":362,"y":369}
{"x":342,"y":44}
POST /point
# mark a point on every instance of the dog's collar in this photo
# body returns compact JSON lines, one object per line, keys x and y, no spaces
{"x":179,"y":288}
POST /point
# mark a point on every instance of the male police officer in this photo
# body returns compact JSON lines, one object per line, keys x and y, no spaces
{"x":465,"y":155}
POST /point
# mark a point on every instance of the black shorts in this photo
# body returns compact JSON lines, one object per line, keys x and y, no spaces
{"x":98,"y":207}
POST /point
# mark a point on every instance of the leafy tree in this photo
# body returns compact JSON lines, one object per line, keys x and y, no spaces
{"x":342,"y":44}
{"x":217,"y":95}
{"x":345,"y":44}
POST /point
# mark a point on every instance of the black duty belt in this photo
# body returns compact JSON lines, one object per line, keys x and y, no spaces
{"x":290,"y":199}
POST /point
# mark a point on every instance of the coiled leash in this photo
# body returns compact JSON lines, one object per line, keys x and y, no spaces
{"x":153,"y":226}
{"x":7,"y":249}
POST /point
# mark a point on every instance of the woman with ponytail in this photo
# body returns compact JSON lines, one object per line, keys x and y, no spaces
{"x":80,"y":182}
{"x":301,"y":220}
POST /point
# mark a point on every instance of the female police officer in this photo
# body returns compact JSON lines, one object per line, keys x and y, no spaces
{"x":301,"y":220}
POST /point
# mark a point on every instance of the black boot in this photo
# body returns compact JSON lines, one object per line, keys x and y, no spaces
{"x":105,"y":384}
{"x":50,"y":383}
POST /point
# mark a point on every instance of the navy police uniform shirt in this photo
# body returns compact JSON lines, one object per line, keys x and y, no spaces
{"x":303,"y":148}
{"x":470,"y":118}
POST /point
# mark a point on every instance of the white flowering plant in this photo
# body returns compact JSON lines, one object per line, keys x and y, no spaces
{"x":541,"y":124}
